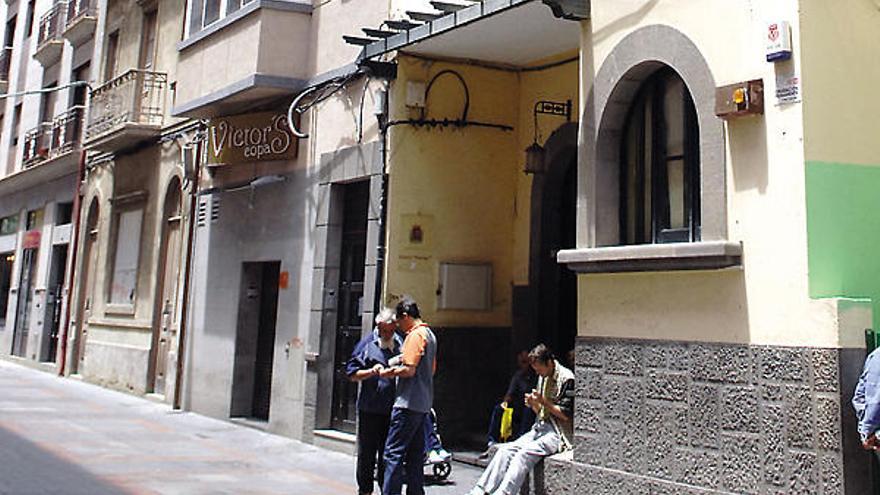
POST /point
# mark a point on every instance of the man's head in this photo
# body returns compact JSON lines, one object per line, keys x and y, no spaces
{"x":386,"y":323}
{"x":542,"y":360}
{"x":407,"y":313}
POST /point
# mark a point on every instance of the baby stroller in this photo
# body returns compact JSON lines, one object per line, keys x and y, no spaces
{"x":435,"y":455}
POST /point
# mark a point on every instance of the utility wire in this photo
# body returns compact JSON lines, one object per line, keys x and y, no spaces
{"x":45,"y":90}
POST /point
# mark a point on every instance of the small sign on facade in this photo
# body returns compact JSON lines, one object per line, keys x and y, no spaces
{"x":778,"y":39}
{"x":256,"y":137}
{"x":788,"y":89}
{"x":31,"y":239}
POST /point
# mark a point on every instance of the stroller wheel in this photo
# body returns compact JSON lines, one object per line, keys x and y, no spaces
{"x":442,"y":470}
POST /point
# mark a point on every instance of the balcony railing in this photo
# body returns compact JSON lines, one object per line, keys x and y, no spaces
{"x":77,"y":9}
{"x":80,"y":21}
{"x":53,"y":139}
{"x":36,"y":144}
{"x":51,"y":25}
{"x":134,"y":98}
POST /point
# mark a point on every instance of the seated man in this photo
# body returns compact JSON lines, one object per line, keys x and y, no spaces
{"x":522,"y":382}
{"x":553,"y":403}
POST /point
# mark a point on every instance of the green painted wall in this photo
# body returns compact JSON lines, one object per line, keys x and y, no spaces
{"x":843,"y":231}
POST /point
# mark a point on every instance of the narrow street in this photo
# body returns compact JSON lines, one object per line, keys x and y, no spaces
{"x":63,"y":436}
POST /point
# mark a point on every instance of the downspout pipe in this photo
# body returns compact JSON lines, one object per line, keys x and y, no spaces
{"x":77,"y":206}
{"x":383,"y":202}
{"x":187,"y":277}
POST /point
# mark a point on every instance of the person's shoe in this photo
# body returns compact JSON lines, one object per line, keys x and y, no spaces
{"x":476,"y":491}
{"x":444,"y":454}
{"x":434,"y":457}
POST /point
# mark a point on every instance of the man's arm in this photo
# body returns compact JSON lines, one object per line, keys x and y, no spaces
{"x":411,"y":355}
{"x":356,"y":368}
{"x":870,"y":421}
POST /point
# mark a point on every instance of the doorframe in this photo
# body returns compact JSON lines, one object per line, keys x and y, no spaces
{"x":174,"y":186}
{"x":560,"y":150}
{"x":89,"y":249}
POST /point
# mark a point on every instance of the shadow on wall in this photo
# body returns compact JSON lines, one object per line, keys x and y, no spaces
{"x":474,"y":366}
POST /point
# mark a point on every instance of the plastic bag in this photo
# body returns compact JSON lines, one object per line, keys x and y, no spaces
{"x":506,"y":423}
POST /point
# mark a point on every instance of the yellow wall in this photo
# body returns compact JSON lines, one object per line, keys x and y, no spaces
{"x":767,"y":302}
{"x":466,"y":186}
{"x":841,"y":68}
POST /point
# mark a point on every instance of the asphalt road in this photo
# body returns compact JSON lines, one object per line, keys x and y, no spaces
{"x":63,"y":436}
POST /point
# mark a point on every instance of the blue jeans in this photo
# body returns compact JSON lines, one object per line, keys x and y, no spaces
{"x":405,"y":446}
{"x":432,"y":440}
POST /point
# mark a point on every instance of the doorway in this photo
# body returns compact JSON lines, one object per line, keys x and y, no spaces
{"x":349,"y":329}
{"x":164,"y":312}
{"x":255,"y":340}
{"x":54,"y":298}
{"x":554,"y":227}
{"x":86,"y":287}
{"x":25,"y":302}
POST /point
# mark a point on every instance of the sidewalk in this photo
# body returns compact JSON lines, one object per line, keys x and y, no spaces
{"x":63,"y":436}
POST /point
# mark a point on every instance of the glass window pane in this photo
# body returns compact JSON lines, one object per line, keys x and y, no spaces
{"x":128,"y":237}
{"x":648,"y":176}
{"x":632,"y":180}
{"x":675,"y":188}
{"x":233,"y":5}
{"x":212,"y":11}
{"x":673,"y":110}
{"x":195,"y":16}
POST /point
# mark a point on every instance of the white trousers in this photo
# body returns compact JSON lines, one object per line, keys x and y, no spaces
{"x":513,"y":461}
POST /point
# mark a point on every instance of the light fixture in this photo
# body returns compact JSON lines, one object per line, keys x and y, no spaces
{"x":535,"y":157}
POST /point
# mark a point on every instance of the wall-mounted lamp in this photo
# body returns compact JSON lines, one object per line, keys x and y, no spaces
{"x":535,"y":152}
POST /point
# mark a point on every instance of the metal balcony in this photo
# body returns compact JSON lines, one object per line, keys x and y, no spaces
{"x":36,"y":145}
{"x":5,"y":63}
{"x":54,"y":140}
{"x":49,"y":41}
{"x":80,"y":21}
{"x":126,"y":110}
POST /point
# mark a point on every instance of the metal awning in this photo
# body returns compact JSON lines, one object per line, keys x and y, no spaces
{"x":510,"y":32}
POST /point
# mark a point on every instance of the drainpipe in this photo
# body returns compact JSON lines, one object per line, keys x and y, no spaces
{"x":187,"y":277}
{"x":382,"y":115}
{"x":77,"y":206}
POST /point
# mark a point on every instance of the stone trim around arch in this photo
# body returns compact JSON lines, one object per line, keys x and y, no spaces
{"x":631,"y":62}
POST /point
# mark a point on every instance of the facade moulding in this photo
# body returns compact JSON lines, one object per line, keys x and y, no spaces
{"x":207,"y":106}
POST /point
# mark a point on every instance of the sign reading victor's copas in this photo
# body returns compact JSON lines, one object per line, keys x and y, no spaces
{"x":255,"y":137}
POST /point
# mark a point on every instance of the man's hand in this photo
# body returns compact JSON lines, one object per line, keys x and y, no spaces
{"x":534,"y":400}
{"x":871,"y":442}
{"x":376,"y":370}
{"x":387,"y":372}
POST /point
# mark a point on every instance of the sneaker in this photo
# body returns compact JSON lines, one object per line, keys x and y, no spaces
{"x":476,"y":491}
{"x":434,"y":457}
{"x":444,"y":454}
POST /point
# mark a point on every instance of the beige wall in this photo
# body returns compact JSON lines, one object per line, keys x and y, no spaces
{"x":766,"y":302}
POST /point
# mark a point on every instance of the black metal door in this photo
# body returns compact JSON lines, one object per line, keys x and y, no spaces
{"x":54,"y":296}
{"x":25,"y":299}
{"x":351,"y":301}
{"x":266,"y":340}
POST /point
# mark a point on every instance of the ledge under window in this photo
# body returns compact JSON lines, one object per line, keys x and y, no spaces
{"x":711,"y":255}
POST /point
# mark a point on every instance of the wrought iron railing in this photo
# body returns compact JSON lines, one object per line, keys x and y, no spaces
{"x":5,"y":62}
{"x":36,"y":144}
{"x":77,"y":9}
{"x":51,"y":24}
{"x":134,"y":97}
{"x":67,"y":131}
{"x":52,"y":139}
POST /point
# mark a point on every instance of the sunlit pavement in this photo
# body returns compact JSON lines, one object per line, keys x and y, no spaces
{"x":63,"y":436}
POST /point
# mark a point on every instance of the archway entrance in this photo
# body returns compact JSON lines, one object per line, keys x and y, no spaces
{"x":164,"y":321}
{"x":554,"y":211}
{"x":86,"y":287}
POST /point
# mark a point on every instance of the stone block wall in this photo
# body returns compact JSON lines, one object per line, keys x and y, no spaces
{"x":683,"y":418}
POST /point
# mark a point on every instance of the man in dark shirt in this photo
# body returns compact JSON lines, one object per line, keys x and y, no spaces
{"x":376,"y":396}
{"x":522,"y":382}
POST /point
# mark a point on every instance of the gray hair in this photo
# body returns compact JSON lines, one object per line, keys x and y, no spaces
{"x":386,"y":316}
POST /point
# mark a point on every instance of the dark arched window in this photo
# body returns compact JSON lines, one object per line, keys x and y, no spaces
{"x":660,"y":164}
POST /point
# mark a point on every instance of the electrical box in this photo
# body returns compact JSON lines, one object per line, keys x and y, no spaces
{"x":415,"y":94}
{"x":744,"y":98}
{"x":778,"y":41}
{"x":465,"y":286}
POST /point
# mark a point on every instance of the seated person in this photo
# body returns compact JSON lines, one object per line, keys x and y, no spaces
{"x":522,"y":382}
{"x":553,"y":403}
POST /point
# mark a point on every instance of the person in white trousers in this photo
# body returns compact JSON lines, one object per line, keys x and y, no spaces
{"x":553,"y":403}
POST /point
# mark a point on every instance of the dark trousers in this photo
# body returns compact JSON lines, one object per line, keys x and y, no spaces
{"x":372,"y":430}
{"x":405,"y":446}
{"x":432,"y":439}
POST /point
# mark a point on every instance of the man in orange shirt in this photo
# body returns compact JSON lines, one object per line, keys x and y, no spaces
{"x":405,"y":444}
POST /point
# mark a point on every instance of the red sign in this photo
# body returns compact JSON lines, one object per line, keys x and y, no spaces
{"x":773,"y":32}
{"x":31,"y":239}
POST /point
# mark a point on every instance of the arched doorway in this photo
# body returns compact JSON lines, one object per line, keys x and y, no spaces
{"x":86,"y":286}
{"x":165,"y":323}
{"x":554,"y":210}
